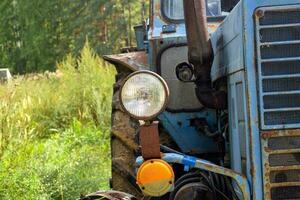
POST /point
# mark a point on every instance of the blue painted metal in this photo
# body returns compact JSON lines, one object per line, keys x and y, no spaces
{"x":249,"y":7}
{"x":226,"y":42}
{"x":234,"y":44}
{"x":229,"y":58}
{"x":250,"y":36}
{"x":238,"y":123}
{"x":188,"y":139}
{"x":207,"y":166}
{"x":177,"y":124}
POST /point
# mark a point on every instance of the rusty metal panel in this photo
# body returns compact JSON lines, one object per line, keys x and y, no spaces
{"x":281,"y":157}
{"x":133,"y":61}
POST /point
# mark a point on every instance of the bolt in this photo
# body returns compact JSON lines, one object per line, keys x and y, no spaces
{"x":260,"y":13}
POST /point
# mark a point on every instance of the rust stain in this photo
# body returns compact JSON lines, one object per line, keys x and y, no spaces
{"x":259,"y":13}
{"x":157,"y":8}
{"x":284,"y":184}
{"x":268,"y":151}
{"x":280,"y":133}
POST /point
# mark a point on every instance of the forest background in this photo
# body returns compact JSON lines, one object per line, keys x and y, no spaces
{"x":55,"y":112}
{"x":35,"y":34}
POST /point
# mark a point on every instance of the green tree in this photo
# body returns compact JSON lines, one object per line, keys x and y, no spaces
{"x":35,"y":34}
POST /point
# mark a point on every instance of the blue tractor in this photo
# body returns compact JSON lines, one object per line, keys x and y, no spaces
{"x":208,"y":107}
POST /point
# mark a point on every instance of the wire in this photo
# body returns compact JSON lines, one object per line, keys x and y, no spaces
{"x":169,"y":150}
{"x":222,"y":193}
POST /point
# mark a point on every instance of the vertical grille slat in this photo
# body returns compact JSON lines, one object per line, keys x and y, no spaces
{"x":278,"y":67}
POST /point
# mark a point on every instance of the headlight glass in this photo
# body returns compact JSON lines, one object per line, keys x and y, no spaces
{"x":144,"y":95}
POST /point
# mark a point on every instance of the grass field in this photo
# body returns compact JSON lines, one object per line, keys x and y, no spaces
{"x":54,"y":131}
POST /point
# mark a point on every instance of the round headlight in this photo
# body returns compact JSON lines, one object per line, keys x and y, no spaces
{"x":144,"y":95}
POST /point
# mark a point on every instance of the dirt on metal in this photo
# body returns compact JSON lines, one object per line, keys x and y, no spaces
{"x":124,"y":147}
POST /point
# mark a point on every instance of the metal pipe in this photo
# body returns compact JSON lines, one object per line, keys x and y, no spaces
{"x":192,"y":162}
{"x":200,"y":54}
{"x":199,"y":45}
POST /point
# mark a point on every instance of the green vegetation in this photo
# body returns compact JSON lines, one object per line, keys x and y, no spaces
{"x":54,"y":131}
{"x":35,"y":34}
{"x":54,"y":125}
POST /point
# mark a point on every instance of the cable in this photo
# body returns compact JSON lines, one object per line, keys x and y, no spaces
{"x":169,"y":150}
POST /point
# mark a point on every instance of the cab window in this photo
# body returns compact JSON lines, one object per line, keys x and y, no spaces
{"x":173,"y":9}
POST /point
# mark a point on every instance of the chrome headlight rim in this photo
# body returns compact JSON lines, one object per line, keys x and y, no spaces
{"x":166,"y":89}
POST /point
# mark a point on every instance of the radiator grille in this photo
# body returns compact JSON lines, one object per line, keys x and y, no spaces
{"x":278,"y":67}
{"x":278,"y":50}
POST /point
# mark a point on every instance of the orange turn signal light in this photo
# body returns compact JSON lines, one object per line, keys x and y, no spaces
{"x":155,"y":177}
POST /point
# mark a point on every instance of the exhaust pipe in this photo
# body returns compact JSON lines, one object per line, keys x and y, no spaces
{"x":200,"y":54}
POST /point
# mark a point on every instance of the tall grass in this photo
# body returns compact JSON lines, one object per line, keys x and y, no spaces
{"x":54,"y":131}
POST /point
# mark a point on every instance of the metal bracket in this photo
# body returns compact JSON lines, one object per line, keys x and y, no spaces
{"x":149,"y":141}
